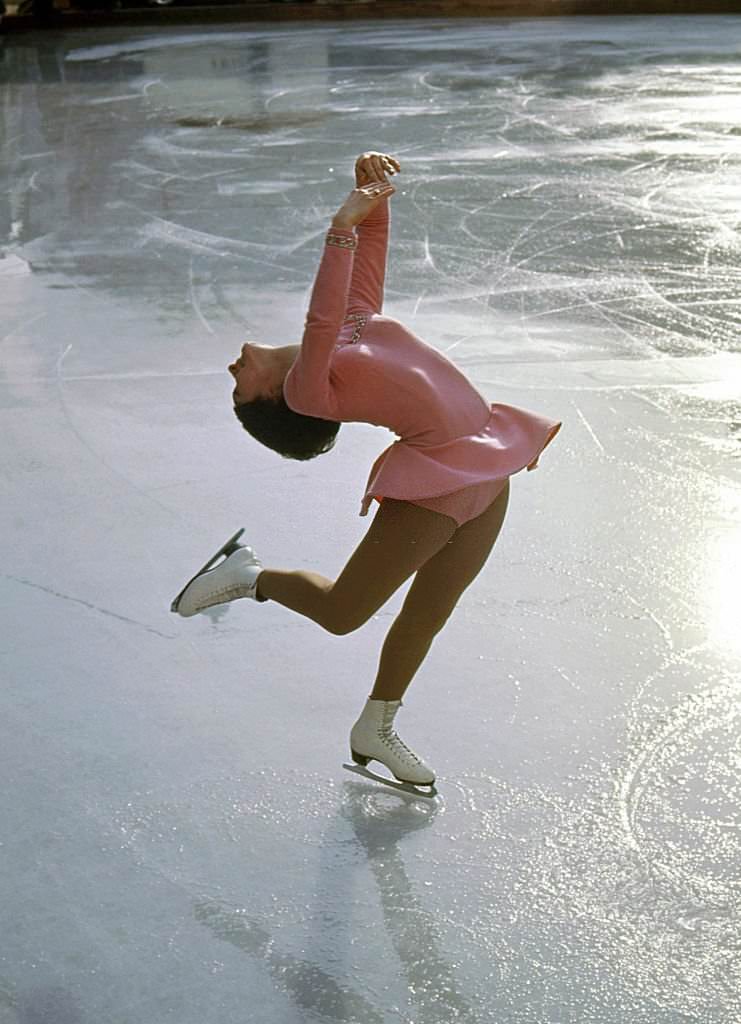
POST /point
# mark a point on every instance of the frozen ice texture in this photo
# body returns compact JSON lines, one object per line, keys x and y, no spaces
{"x":178,"y":840}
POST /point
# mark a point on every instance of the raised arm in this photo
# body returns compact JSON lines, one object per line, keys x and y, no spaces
{"x":369,"y":269}
{"x":307,"y":386}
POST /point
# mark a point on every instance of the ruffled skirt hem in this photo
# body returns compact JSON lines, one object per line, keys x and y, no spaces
{"x":513,"y":439}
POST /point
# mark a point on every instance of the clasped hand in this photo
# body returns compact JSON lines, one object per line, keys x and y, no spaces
{"x":372,"y":186}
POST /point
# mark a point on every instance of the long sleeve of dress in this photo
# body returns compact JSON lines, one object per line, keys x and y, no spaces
{"x":369,"y":269}
{"x":307,"y":385}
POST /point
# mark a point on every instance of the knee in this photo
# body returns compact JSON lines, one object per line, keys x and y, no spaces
{"x":424,"y":622}
{"x":343,"y":626}
{"x":340,"y":621}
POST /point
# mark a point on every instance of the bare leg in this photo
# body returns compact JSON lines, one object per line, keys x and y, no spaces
{"x":432,"y":597}
{"x":401,"y":538}
{"x":304,"y":592}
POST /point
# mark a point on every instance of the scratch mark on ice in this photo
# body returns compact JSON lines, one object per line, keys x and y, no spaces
{"x":63,"y":356}
{"x":194,"y":301}
{"x":428,"y":255}
{"x":61,"y":382}
{"x":87,"y":604}
{"x":583,"y":418}
{"x":26,"y":323}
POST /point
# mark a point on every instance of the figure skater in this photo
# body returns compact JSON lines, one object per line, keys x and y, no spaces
{"x":442,"y":488}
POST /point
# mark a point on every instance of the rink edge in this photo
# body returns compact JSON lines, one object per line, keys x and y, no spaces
{"x":367,"y":10}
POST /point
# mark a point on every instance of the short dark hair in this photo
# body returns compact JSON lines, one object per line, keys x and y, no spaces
{"x":291,"y":434}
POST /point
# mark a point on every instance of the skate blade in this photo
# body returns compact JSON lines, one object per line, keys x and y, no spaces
{"x":226,"y":549}
{"x":402,"y":787}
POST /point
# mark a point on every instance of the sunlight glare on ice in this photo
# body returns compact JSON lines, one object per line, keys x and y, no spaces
{"x":722,"y":589}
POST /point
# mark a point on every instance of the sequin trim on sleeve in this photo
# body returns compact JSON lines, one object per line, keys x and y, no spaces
{"x":342,"y":241}
{"x":360,"y":320}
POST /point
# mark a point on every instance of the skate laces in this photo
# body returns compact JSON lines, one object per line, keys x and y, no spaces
{"x":233,"y":589}
{"x":391,"y":739}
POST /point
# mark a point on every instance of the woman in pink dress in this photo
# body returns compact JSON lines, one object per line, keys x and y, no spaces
{"x":442,"y":487}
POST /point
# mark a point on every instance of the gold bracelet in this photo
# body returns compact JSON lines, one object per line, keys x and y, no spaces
{"x":342,"y":241}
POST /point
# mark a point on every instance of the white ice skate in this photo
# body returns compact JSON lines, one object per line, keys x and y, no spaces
{"x":373,"y":739}
{"x":234,"y":577}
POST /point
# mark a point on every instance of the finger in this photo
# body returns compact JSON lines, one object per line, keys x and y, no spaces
{"x":392,"y":166}
{"x":378,"y":168}
{"x":362,"y":172}
{"x":380,"y":190}
{"x":377,"y":188}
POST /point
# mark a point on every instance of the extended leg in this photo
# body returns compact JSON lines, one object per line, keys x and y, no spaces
{"x":432,"y":597}
{"x":401,"y":538}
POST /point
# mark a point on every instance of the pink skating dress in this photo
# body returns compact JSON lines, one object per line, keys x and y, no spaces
{"x":455,"y":451}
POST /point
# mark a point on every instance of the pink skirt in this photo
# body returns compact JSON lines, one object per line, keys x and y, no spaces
{"x":461,"y":474}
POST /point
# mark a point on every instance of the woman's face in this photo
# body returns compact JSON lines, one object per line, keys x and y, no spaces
{"x":254,"y":373}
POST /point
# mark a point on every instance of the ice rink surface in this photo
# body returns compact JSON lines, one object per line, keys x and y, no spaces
{"x":178,"y":841}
